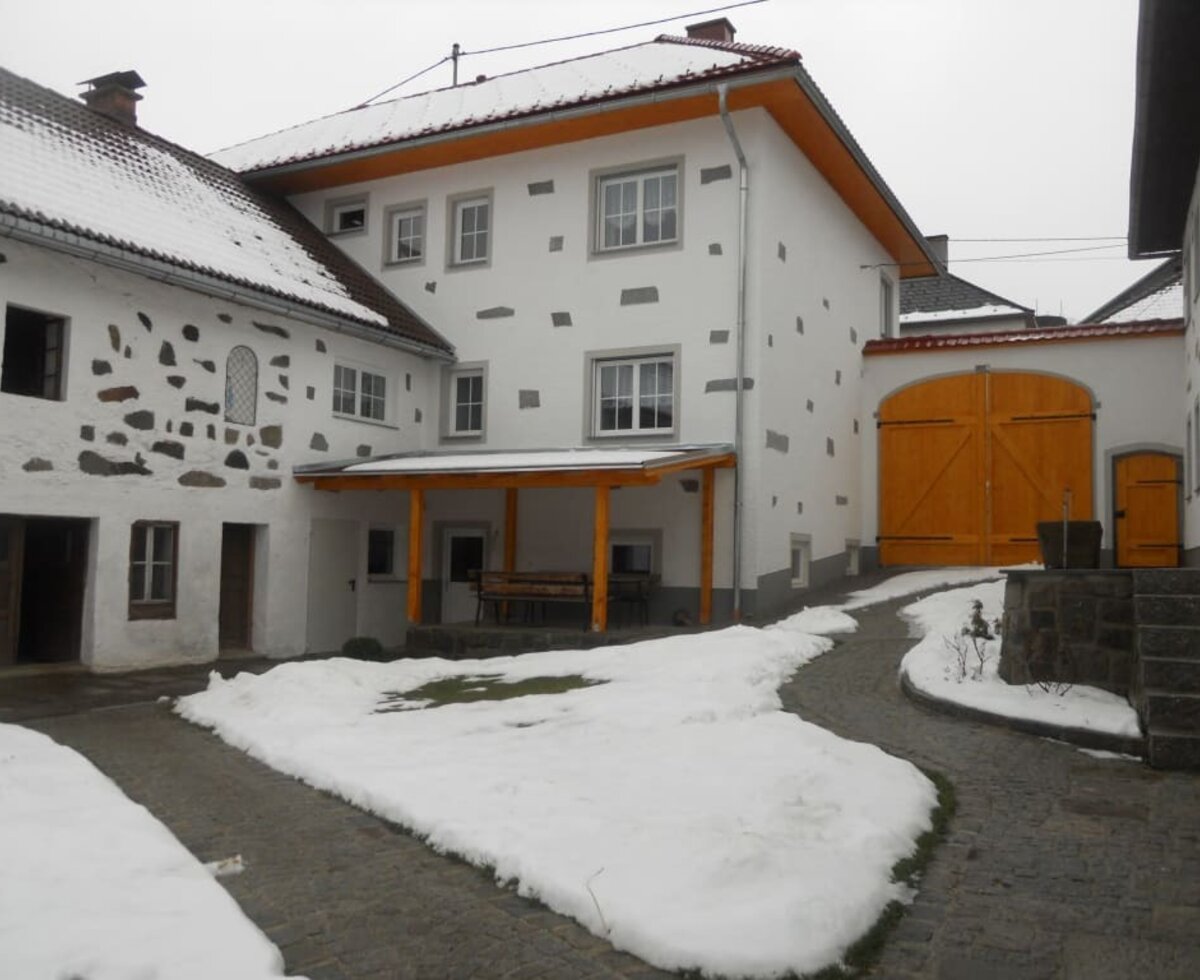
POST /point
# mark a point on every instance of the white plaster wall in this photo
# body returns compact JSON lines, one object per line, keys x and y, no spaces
{"x":1135,"y":383}
{"x":943,"y":327}
{"x":92,"y":297}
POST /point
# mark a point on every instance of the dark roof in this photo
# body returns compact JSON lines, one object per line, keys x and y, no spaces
{"x":939,"y":294}
{"x":1166,"y":131}
{"x":69,"y":174}
{"x":1006,"y":338}
{"x":1164,"y":278}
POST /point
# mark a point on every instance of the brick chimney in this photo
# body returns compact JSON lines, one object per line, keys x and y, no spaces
{"x":712,"y":30}
{"x":114,"y":95}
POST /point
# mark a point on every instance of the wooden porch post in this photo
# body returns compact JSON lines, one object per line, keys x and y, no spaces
{"x":416,"y":520}
{"x":510,"y":529}
{"x":600,"y":563}
{"x":708,"y":475}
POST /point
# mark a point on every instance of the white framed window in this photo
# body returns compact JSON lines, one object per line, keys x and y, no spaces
{"x":406,"y":235}
{"x":467,"y":395}
{"x":887,"y":307}
{"x":633,"y":395}
{"x":346,"y":215}
{"x":471,"y":219}
{"x":800,"y":560}
{"x":637,"y":209}
{"x":153,"y":563}
{"x":360,"y":393}
{"x":634,"y":552}
{"x":241,"y":386}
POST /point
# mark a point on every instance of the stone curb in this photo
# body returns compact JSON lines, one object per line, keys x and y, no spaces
{"x":1083,"y":737}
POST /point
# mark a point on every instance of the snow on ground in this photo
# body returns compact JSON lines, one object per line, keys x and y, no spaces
{"x":911,"y":583}
{"x":95,"y":887}
{"x":672,"y":807}
{"x":931,"y":666}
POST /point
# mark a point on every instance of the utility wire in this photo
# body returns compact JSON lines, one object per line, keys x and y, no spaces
{"x":410,"y":78}
{"x":1001,"y":258}
{"x":1062,"y":238}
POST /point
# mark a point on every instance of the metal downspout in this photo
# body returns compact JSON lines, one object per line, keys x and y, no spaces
{"x":739,"y":393}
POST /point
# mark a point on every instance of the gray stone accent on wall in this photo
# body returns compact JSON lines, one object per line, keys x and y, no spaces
{"x":320,"y":346}
{"x":639,"y":294}
{"x":714,"y":248}
{"x":114,"y":337}
{"x":774,"y":500}
{"x":101,"y":367}
{"x":211,"y":431}
{"x":799,"y":506}
{"x":856,"y":426}
{"x":237,"y":460}
{"x":3,"y":258}
{"x":710,"y":174}
{"x":782,"y":252}
{"x":560,"y":319}
{"x":208,"y":366}
{"x":272,"y":464}
{"x":96,"y":465}
{"x":271,"y":435}
{"x":37,"y":465}
{"x":231,"y":436}
{"x":841,"y":500}
{"x":718,"y":336}
{"x":249,"y":439}
{"x":117,"y":438}
{"x":170,"y":425}
{"x":777,"y":441}
{"x":119,"y":394}
{"x":281,"y":361}
{"x":495,"y":313}
{"x":799,"y":324}
{"x":200,"y":405}
{"x":825,"y":302}
{"x":690,"y":485}
{"x":556,"y":243}
{"x":417,"y":416}
{"x":166,"y":354}
{"x":190,"y":332}
{"x":728,"y":384}
{"x":310,"y":392}
{"x":143,"y":420}
{"x":276,"y":397}
{"x":283,"y":382}
{"x":540,"y":187}
{"x":145,"y":321}
{"x":128,"y":353}
{"x":837,"y":376}
{"x":408,"y":381}
{"x":431,"y":286}
{"x":529,"y":398}
{"x":265,"y":483}
{"x":168,"y":447}
{"x":829,"y":446}
{"x":199,"y":478}
{"x":271,"y":329}
{"x":176,"y":380}
{"x":186,"y":429}
{"x":853,"y":336}
{"x":87,"y":433}
{"x":808,"y":405}
{"x":362,"y":451}
{"x":225,"y":318}
{"x":319,"y":443}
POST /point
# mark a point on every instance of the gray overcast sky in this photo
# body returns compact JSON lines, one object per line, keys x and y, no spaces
{"x":988,"y":118}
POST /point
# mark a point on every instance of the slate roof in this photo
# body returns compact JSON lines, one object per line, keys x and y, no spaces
{"x":947,"y":293}
{"x":1159,"y":293}
{"x":1042,"y":335}
{"x":67,"y":172}
{"x":664,"y":63}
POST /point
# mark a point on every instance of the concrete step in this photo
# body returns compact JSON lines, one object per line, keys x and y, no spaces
{"x":1170,"y":674}
{"x":1167,"y":610}
{"x":1173,"y":710}
{"x":1170,"y":749}
{"x":1179,"y":642}
{"x":1167,"y":581}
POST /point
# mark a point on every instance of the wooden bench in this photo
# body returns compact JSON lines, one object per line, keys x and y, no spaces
{"x":532,"y":587}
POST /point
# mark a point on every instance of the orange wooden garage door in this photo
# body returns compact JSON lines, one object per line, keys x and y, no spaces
{"x":970,"y":463}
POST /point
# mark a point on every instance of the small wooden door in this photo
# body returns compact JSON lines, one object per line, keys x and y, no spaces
{"x":237,"y":586}
{"x":1146,"y":520}
{"x":12,"y":536}
{"x":464,"y":551}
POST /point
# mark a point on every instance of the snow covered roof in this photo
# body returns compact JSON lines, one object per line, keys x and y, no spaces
{"x":69,"y":172}
{"x":946,"y":297}
{"x":1041,"y":335}
{"x":1159,"y":293}
{"x":663,"y":63}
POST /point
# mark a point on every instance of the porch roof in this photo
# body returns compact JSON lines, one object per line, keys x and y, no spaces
{"x":454,"y":469}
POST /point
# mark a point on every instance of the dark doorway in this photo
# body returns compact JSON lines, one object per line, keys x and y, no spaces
{"x":237,"y":586}
{"x":53,"y":576}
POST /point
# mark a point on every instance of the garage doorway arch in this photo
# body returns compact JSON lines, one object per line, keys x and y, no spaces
{"x":969,"y":463}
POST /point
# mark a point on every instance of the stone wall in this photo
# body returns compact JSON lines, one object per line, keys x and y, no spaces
{"x":1070,"y":625}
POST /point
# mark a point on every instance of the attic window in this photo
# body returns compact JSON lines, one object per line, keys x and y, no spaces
{"x":347,"y":216}
{"x":32,"y":360}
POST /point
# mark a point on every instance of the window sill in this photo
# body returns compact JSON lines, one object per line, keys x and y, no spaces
{"x":378,"y":423}
{"x":151,"y":611}
{"x":350,"y":233}
{"x":609,"y":253}
{"x":464,"y":266}
{"x":664,"y":435}
{"x":404,"y":263}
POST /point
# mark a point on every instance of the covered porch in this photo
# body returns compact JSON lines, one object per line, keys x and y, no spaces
{"x":601,"y":471}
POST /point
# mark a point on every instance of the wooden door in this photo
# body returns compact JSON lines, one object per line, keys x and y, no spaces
{"x":1146,"y":519}
{"x":237,"y":586}
{"x":12,"y":536}
{"x":968,"y":465}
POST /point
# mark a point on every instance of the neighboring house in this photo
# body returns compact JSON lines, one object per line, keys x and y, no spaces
{"x":1157,"y":295}
{"x":1164,"y":206}
{"x":172,"y":344}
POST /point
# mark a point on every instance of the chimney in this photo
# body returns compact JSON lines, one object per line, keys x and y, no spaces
{"x":939,"y":245}
{"x":712,"y":30}
{"x":114,"y":95}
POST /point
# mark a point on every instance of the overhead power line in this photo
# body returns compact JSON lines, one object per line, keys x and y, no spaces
{"x":1060,"y":238}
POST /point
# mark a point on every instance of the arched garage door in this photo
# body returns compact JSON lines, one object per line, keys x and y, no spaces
{"x":970,"y":463}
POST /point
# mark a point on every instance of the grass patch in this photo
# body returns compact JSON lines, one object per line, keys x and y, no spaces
{"x":480,"y":687}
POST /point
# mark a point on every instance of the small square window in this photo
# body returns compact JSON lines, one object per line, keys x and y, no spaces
{"x":801,"y":559}
{"x":153,"y":563}
{"x":381,"y":552}
{"x":406,"y":236}
{"x":33,"y":357}
{"x":346,"y":216}
{"x":637,"y":209}
{"x":360,"y":393}
{"x":472,"y":231}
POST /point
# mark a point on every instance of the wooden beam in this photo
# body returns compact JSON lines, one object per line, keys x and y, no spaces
{"x":416,"y":520}
{"x":600,"y":562}
{"x":510,"y":529}
{"x":708,"y":481}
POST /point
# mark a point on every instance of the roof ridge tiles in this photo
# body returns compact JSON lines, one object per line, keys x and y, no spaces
{"x":768,"y":52}
{"x":1078,"y":331}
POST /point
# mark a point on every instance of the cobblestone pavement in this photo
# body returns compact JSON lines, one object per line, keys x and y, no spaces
{"x":1057,"y":865}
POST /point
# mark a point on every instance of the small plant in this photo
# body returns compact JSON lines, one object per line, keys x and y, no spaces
{"x":970,"y":645}
{"x":363,"y":648}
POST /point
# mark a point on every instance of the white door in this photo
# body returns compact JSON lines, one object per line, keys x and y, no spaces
{"x":332,"y":584}
{"x":464,"y":550}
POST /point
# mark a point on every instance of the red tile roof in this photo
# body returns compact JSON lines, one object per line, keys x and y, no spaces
{"x":1044,"y":335}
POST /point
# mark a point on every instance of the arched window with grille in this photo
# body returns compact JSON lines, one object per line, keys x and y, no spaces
{"x":241,"y":386}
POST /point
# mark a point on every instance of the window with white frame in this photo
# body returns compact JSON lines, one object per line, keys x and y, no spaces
{"x":886,"y":307}
{"x":345,"y":216}
{"x":634,"y":552}
{"x":633,"y":395}
{"x":406,"y":235}
{"x":467,"y":397}
{"x":801,"y":559}
{"x":359,"y":393}
{"x":472,"y":230}
{"x":152,"y":570}
{"x":635,"y":209}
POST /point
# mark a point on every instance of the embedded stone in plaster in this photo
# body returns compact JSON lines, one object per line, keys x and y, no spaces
{"x":272,"y":464}
{"x":825,"y":301}
{"x":828,"y":445}
{"x":237,"y":460}
{"x":271,"y":329}
{"x":101,"y":367}
{"x":363,"y":451}
{"x":186,"y":429}
{"x":714,"y":248}
{"x":560,"y":319}
{"x":799,"y":506}
{"x":249,"y":439}
{"x":799,"y":324}
{"x":265,"y":483}
{"x":770,"y":340}
{"x":690,"y":486}
{"x":87,"y":433}
{"x":556,"y":243}
{"x":710,"y":174}
{"x":199,"y":478}
{"x":529,"y":398}
{"x":271,"y":435}
{"x":117,"y":438}
{"x":856,"y":426}
{"x":211,"y":431}
{"x":145,"y":321}
{"x":837,"y":376}
{"x":417,"y":416}
{"x":431,"y":286}
{"x":782,"y":252}
{"x":176,"y":380}
{"x":541,"y":187}
{"x":319,"y":443}
{"x":281,"y":361}
{"x":639,"y":294}
{"x":495,"y":313}
{"x":37,"y":465}
{"x":114,"y":337}
{"x":199,"y":405}
{"x":96,"y":465}
{"x":408,"y":381}
{"x":208,"y":366}
{"x":728,"y":384}
{"x":276,"y":397}
{"x":853,"y":336}
{"x":142,"y":419}
{"x":718,"y":336}
{"x":261,"y":452}
{"x":225,"y":318}
{"x":168,"y":425}
{"x":808,"y":405}
{"x":231,"y":436}
{"x":3,"y":258}
{"x":310,"y":392}
{"x":168,"y":447}
{"x":320,"y":346}
{"x":190,"y":332}
{"x":777,"y":441}
{"x":774,"y":500}
{"x":128,"y":352}
{"x":841,"y":501}
{"x":283,"y":382}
